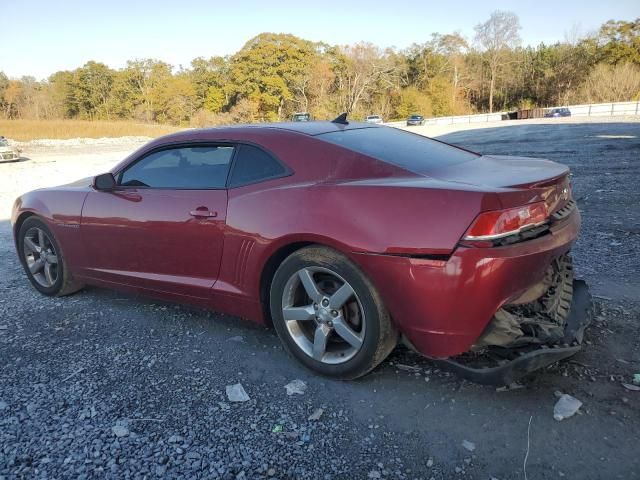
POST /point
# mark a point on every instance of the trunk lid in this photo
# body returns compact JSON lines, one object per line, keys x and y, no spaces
{"x":517,"y":180}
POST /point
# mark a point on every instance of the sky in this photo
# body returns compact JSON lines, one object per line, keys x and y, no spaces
{"x":39,"y":37}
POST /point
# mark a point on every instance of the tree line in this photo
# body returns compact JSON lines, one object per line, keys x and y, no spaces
{"x":275,"y":75}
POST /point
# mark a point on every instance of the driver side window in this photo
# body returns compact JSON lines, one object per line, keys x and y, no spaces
{"x":190,"y":168}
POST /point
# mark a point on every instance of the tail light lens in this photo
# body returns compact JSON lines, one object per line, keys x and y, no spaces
{"x":502,"y":223}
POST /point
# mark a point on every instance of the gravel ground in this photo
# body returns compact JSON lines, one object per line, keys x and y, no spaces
{"x":102,"y":384}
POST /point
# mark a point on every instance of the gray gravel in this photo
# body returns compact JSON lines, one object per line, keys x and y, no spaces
{"x":107,"y":385}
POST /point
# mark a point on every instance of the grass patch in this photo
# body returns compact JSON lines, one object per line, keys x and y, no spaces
{"x":25,"y":130}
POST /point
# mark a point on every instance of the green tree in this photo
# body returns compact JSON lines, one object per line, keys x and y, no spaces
{"x":215,"y":99}
{"x":91,"y":87}
{"x":174,"y":100}
{"x":619,"y":42}
{"x":207,"y":73}
{"x":266,"y":69}
{"x":413,"y":101}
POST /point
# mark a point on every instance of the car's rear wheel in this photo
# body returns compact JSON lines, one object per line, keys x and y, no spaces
{"x":42,"y":259}
{"x":329,"y":315}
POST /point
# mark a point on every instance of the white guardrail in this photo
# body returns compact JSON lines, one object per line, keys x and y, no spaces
{"x":591,"y":110}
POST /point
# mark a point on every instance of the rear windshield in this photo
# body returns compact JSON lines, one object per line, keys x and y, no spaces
{"x":407,"y":150}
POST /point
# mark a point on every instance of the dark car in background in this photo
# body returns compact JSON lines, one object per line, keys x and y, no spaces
{"x":558,"y":112}
{"x":414,"y":120}
{"x":301,"y":117}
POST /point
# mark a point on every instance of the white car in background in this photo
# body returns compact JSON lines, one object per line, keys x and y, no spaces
{"x":373,"y":119}
{"x":7,"y":152}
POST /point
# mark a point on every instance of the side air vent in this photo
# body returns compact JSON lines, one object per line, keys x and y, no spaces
{"x":241,"y":261}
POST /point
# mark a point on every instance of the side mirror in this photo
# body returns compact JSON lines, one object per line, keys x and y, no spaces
{"x":104,"y":182}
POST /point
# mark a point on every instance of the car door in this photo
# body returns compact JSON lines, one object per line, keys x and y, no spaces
{"x":162,"y":228}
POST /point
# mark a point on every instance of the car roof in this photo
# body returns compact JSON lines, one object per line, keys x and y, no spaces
{"x":307,"y":128}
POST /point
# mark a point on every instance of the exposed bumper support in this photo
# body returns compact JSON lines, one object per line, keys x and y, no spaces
{"x":534,"y":357}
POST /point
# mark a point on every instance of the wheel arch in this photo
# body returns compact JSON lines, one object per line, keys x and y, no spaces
{"x":19,"y":221}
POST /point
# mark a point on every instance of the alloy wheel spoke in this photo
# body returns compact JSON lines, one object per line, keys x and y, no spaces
{"x":309,"y":284}
{"x":31,"y":246}
{"x":299,"y":313}
{"x":48,"y":274}
{"x":41,"y":239}
{"x":339,"y":298}
{"x":52,"y":258}
{"x":36,"y":266}
{"x":343,"y":330}
{"x":320,"y":338}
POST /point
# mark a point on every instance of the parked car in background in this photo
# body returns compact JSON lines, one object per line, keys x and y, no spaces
{"x":347,"y":236}
{"x":558,"y":112}
{"x":7,"y":152}
{"x":373,"y":119}
{"x":414,"y":120}
{"x":301,"y":117}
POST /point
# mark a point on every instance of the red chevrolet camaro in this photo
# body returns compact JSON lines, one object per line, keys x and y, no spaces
{"x":348,"y":237}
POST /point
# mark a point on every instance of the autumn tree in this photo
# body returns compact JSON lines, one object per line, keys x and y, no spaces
{"x":275,"y":75}
{"x":496,"y":37}
{"x":145,"y":80}
{"x":11,"y":98}
{"x":610,"y":83}
{"x":364,"y":69}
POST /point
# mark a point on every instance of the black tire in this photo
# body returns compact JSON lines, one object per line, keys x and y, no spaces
{"x":64,"y":284}
{"x":380,"y":336}
{"x":556,"y":302}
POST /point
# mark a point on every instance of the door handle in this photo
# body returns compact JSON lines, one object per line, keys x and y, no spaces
{"x":203,"y":212}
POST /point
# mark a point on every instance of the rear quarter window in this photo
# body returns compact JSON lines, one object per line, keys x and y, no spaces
{"x":413,"y":152}
{"x":254,"y":165}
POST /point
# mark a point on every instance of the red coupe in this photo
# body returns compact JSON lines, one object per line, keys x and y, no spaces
{"x":347,"y":236}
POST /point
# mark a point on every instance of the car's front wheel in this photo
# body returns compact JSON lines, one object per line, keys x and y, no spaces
{"x":329,"y":315}
{"x":42,"y":259}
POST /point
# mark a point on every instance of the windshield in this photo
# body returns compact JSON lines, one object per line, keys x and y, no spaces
{"x":416,"y":117}
{"x":3,"y":142}
{"x":415,"y":153}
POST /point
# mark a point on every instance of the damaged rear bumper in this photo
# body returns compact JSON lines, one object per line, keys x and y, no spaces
{"x":514,"y":363}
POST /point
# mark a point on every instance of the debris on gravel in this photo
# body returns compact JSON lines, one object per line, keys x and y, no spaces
{"x":317,"y":413}
{"x":296,"y":387}
{"x":467,"y":445}
{"x":566,"y":406}
{"x":120,"y":431}
{"x":236,"y":393}
{"x":408,"y":368}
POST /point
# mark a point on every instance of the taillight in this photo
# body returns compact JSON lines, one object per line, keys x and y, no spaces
{"x":502,"y":223}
